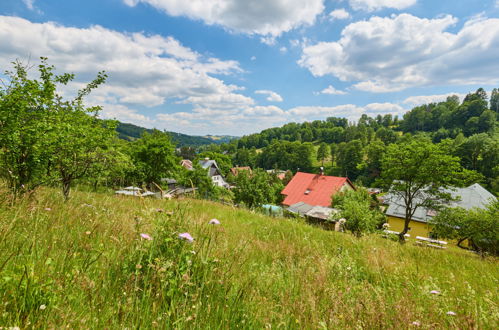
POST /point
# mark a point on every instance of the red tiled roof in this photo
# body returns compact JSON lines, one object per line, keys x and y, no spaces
{"x":320,"y":189}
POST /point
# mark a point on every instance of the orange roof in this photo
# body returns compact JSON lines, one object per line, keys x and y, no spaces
{"x":313,"y":189}
{"x":235,"y":170}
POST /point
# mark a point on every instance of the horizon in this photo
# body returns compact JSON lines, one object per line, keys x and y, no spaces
{"x":236,"y":68}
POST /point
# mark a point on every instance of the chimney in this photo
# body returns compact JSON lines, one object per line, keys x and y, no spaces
{"x":207,"y":158}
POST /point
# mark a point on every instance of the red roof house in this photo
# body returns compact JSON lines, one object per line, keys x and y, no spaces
{"x":314,"y":189}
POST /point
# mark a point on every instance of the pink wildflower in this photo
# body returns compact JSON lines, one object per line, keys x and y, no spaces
{"x":186,"y":236}
{"x":48,"y":209}
{"x":435,"y":292}
{"x":416,"y":323}
{"x":145,"y":236}
{"x":214,"y":222}
{"x":451,"y":313}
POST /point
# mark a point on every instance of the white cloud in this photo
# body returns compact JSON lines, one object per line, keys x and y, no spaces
{"x":398,"y":52}
{"x":283,"y":49}
{"x":332,"y":91}
{"x":262,"y":17}
{"x":30,"y":4}
{"x":339,"y":14}
{"x":253,"y":58}
{"x":143,"y":70}
{"x":371,"y":5}
{"x":272,"y":96}
{"x":426,"y":99}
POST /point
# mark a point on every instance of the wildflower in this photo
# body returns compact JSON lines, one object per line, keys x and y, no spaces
{"x":186,"y":236}
{"x":435,"y":292}
{"x":145,"y":236}
{"x":451,"y":313}
{"x":138,"y":266}
{"x":416,"y":323}
{"x":88,"y":232}
{"x":349,"y":268}
{"x":48,"y":209}
{"x":214,"y":222}
{"x":42,"y":307}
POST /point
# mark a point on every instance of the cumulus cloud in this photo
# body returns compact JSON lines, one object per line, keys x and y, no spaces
{"x":143,"y":70}
{"x":332,"y":91}
{"x":393,"y":53}
{"x":339,"y":14}
{"x":262,"y":17}
{"x":272,"y":96}
{"x":371,"y":5}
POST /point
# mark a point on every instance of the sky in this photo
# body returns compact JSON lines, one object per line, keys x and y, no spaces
{"x":235,"y":67}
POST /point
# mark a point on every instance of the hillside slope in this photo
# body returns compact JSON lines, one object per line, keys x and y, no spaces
{"x":131,"y":132}
{"x":84,"y":264}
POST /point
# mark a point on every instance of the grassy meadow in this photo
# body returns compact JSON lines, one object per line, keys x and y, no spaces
{"x":84,"y":264}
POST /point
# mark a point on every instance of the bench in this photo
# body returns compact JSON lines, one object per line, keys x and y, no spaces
{"x":430,"y":242}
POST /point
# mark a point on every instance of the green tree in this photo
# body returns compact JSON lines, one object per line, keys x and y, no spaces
{"x":257,"y":188}
{"x":349,"y":157}
{"x":322,"y":152}
{"x":478,"y":227}
{"x":416,"y":173}
{"x":224,"y":162}
{"x":334,"y":153}
{"x":27,"y":117}
{"x":154,"y":157}
{"x":360,"y":211}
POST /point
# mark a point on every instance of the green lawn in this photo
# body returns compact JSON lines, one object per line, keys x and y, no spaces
{"x":83,"y":264}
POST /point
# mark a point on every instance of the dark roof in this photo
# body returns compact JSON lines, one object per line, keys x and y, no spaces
{"x":470,"y":197}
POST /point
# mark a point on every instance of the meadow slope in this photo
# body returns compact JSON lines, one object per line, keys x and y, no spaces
{"x":84,"y":264}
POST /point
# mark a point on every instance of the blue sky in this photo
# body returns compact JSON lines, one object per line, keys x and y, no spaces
{"x":239,"y":66}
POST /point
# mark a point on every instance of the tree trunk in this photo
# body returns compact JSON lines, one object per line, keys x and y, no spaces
{"x":66,"y":188}
{"x":407,"y":221}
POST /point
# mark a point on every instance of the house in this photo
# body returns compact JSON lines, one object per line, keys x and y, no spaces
{"x":469,"y":197}
{"x":187,"y":164}
{"x":281,"y":175}
{"x":314,"y":189}
{"x":214,"y":172}
{"x":235,"y":170}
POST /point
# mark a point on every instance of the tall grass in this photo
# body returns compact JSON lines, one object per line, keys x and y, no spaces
{"x":84,"y":264}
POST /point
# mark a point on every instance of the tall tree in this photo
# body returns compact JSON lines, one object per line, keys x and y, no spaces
{"x":417,"y":173}
{"x":322,"y":152}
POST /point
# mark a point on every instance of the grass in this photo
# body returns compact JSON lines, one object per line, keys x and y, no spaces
{"x":83,"y":264}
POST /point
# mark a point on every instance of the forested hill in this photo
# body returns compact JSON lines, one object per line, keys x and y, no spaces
{"x":131,"y":132}
{"x":467,"y":129}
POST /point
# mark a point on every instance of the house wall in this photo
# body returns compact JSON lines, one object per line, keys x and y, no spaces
{"x":416,"y":228}
{"x":218,"y":180}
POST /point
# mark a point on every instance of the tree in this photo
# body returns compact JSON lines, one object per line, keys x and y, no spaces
{"x":257,"y":188}
{"x":494,"y":100}
{"x":154,"y":157}
{"x":360,"y":211}
{"x":322,"y":152}
{"x":334,"y":153}
{"x":417,"y":172}
{"x":224,"y":162}
{"x":478,"y":227}
{"x":349,"y":156}
{"x":27,"y":118}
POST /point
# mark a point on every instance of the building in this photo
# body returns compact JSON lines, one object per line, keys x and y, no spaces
{"x":187,"y":164}
{"x":214,"y":172}
{"x":314,"y":189}
{"x":235,"y":170}
{"x":469,"y":197}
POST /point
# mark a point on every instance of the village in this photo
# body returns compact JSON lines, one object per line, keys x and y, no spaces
{"x":311,"y":196}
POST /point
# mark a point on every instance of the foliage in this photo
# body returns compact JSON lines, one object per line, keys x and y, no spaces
{"x":200,"y":179}
{"x":417,"y":173}
{"x":360,"y":211}
{"x":322,"y":152}
{"x":286,"y":155}
{"x":257,"y":188}
{"x":224,"y":162}
{"x":45,"y":138}
{"x":154,"y":157}
{"x":477,"y":227}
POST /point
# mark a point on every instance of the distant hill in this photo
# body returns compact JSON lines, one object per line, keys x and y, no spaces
{"x":131,"y":132}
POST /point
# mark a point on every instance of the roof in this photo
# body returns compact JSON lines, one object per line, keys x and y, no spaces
{"x":235,"y":170}
{"x":319,"y":212}
{"x":313,"y":189}
{"x":187,"y":164}
{"x":470,"y":197}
